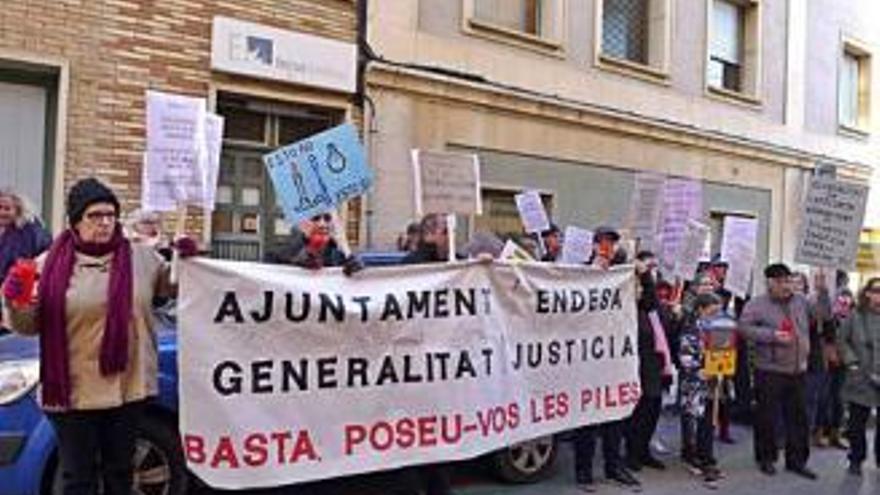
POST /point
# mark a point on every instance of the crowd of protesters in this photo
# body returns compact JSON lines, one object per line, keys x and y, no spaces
{"x":807,"y":358}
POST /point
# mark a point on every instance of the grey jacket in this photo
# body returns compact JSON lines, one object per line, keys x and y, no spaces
{"x":761,"y":319}
{"x":859,"y":340}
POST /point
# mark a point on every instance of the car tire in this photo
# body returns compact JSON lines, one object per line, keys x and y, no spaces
{"x":526,"y":462}
{"x":159,"y":464}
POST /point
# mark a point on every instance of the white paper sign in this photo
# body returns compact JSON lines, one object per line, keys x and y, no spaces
{"x":646,"y":209}
{"x":182,"y":159}
{"x":532,"y":212}
{"x":691,"y":249}
{"x":682,"y":202}
{"x":514,"y":252}
{"x":738,"y":248}
{"x":447,"y":182}
{"x":831,"y":224}
{"x":288,"y":375}
{"x":577,"y":245}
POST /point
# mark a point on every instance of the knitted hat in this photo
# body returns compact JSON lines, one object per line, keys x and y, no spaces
{"x":777,"y":270}
{"x":86,"y":193}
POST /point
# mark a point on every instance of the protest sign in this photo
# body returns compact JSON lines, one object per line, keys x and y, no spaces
{"x":514,"y":252}
{"x":182,"y":159}
{"x":831,"y":224}
{"x":646,"y":209}
{"x":316,"y":174}
{"x":691,"y":249}
{"x":532,"y":212}
{"x":682,"y":202}
{"x":739,"y":242}
{"x":287,"y":376}
{"x":174,"y":171}
{"x":446,"y":182}
{"x":577,"y":245}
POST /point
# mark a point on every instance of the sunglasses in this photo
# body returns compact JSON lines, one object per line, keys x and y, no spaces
{"x":326,"y":217}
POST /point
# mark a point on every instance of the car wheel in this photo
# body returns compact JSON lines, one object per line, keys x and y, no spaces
{"x":159,"y":465}
{"x":526,"y":462}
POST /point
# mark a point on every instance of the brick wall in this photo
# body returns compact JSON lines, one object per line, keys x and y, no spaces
{"x":117,"y":49}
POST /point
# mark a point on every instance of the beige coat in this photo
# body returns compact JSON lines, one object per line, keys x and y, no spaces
{"x":86,"y":312}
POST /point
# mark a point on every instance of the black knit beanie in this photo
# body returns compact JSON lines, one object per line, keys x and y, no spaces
{"x":86,"y":193}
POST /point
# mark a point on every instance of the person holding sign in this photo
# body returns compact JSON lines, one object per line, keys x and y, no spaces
{"x":92,"y":309}
{"x":552,"y":244}
{"x":314,"y":246}
{"x":778,"y":323}
{"x":859,"y":340}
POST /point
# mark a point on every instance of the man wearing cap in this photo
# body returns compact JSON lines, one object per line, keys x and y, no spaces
{"x":778,"y":323}
{"x":552,"y":244}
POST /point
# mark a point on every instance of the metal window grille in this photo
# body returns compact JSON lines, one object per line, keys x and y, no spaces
{"x":625,"y":29}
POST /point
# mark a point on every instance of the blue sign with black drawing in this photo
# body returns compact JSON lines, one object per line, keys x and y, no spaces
{"x":316,"y":174}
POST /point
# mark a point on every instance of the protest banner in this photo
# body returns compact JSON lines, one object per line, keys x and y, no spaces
{"x":319,"y":173}
{"x":287,"y":376}
{"x":577,"y":245}
{"x":739,"y":242}
{"x":646,"y":209}
{"x":531,"y":212}
{"x":682,"y":202}
{"x":691,"y":249}
{"x":446,"y":182}
{"x":829,"y":232}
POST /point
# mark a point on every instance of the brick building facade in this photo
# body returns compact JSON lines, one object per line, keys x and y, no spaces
{"x":76,"y":71}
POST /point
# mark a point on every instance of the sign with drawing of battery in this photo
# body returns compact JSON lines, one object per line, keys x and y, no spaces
{"x":316,"y":174}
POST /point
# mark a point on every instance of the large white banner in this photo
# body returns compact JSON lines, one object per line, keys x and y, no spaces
{"x":288,"y":376}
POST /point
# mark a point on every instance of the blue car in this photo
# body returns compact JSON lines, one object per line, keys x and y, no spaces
{"x":28,"y":459}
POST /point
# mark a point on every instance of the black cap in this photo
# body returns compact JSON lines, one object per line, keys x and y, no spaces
{"x":606,"y":232}
{"x":553,"y":229}
{"x":777,"y":270}
{"x":86,"y":193}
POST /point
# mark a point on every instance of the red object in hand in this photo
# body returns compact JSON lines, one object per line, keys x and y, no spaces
{"x":317,"y":242}
{"x":24,"y":274}
{"x":787,"y":326}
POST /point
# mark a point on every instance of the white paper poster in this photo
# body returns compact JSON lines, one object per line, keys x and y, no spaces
{"x":682,"y":202}
{"x":532,"y":212}
{"x":290,"y":375}
{"x":738,"y":248}
{"x":831,"y":224}
{"x":577,"y":245}
{"x":447,"y":182}
{"x":691,"y":250}
{"x":646,"y":209}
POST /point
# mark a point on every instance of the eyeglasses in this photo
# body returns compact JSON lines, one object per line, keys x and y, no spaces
{"x":99,"y":216}
{"x":326,"y":217}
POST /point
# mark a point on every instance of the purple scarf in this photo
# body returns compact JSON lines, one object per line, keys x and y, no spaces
{"x":54,"y":283}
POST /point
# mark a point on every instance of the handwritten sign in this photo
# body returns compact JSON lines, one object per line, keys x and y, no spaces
{"x":691,"y":249}
{"x":446,"y":182}
{"x":682,"y":202}
{"x":316,"y":174}
{"x":738,"y":248}
{"x":646,"y":208}
{"x":832,"y":221}
{"x":176,"y":159}
{"x":577,"y":245}
{"x":532,"y":212}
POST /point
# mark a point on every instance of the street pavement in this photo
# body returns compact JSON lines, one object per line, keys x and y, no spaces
{"x":742,"y":476}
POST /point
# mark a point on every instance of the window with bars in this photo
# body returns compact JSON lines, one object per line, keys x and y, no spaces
{"x":725,"y":68}
{"x":518,"y":15}
{"x":852,"y":90}
{"x":625,"y":30}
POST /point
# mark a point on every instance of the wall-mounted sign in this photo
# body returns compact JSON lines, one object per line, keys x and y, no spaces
{"x":261,"y":51}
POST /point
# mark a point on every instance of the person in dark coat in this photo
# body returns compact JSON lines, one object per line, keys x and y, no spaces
{"x":552,"y":244}
{"x":605,"y":254}
{"x":651,"y":364}
{"x":859,"y":339}
{"x":313,"y":246}
{"x":21,"y":234}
